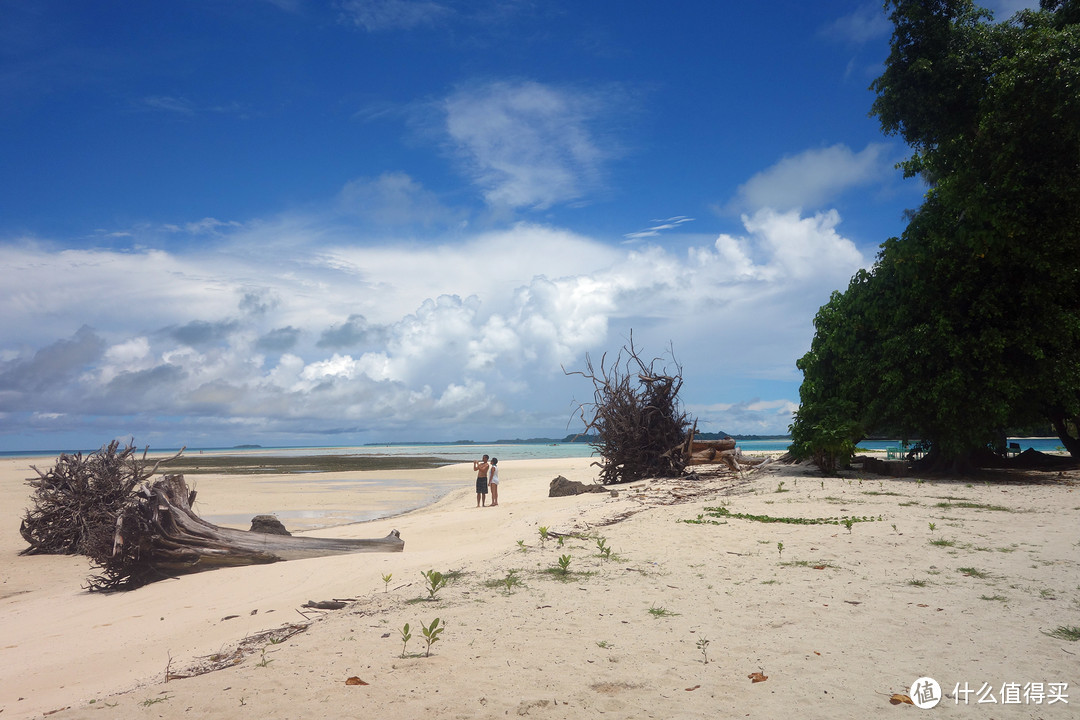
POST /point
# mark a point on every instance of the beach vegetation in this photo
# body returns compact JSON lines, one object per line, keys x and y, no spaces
{"x":435,"y":581}
{"x":723,"y":512}
{"x":564,"y":564}
{"x":968,"y":324}
{"x":149,"y":702}
{"x":974,"y":572}
{"x":1066,"y":632}
{"x":660,"y":611}
{"x":703,"y":646}
{"x":511,"y":581}
{"x":406,"y":636}
{"x":386,"y":578}
{"x":431,"y":634}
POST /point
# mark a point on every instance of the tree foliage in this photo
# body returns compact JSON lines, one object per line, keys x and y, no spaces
{"x":636,"y":415}
{"x":969,"y":323}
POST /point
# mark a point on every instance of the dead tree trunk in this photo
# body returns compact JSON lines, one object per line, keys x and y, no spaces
{"x":158,"y":535}
{"x":135,"y":531}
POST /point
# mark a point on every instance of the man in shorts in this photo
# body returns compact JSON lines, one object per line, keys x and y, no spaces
{"x":480,"y":467}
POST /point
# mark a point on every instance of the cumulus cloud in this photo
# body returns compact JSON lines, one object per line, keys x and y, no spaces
{"x":526,"y":144}
{"x":813,"y":178}
{"x":392,"y":341}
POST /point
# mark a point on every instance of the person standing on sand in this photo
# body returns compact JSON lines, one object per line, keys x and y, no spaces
{"x":480,"y":467}
{"x":493,"y":481}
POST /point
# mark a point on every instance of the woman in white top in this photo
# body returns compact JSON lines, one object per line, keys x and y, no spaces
{"x":493,"y":481}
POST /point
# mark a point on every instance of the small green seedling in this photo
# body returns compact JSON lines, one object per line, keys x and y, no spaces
{"x":780,"y":548}
{"x":780,"y":487}
{"x":264,"y":662}
{"x":435,"y":582}
{"x":386,"y":581}
{"x":510,"y":581}
{"x":702,"y":644}
{"x":431,"y":634}
{"x":564,"y":564}
{"x":603,"y":548}
{"x":659,"y":612}
{"x":933,"y":527}
{"x":543,"y":534}
{"x":521,"y":546}
{"x":848,"y":523}
{"x":406,"y":636}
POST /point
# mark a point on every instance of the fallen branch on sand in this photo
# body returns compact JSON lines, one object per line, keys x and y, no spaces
{"x":137,"y":532}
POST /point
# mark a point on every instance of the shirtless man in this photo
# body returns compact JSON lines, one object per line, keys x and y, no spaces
{"x":480,"y":467}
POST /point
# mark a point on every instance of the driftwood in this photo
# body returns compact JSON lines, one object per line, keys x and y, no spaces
{"x":157,"y":535}
{"x":136,"y":531}
{"x":720,"y":452}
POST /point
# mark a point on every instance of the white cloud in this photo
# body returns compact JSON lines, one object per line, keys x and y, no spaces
{"x":438,"y":340}
{"x":866,"y":23}
{"x":526,"y":144}
{"x":395,"y":199}
{"x":813,"y":178}
{"x":672,"y":223}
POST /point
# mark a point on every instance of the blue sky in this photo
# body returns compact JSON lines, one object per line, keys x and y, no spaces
{"x":324,"y":223}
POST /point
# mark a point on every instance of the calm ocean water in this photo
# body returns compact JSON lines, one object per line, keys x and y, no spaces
{"x":504,"y":451}
{"x":389,"y":497}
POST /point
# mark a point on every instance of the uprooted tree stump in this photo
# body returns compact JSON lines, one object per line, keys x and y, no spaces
{"x":640,"y":427}
{"x":136,"y":532}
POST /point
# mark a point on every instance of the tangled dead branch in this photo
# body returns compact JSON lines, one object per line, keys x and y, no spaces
{"x":76,"y":502}
{"x":136,"y":531}
{"x":641,"y":429}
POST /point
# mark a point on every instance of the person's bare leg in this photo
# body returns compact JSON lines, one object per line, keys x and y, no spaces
{"x":494,"y":495}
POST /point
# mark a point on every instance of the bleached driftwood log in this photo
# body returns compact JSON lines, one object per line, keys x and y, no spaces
{"x":158,"y":535}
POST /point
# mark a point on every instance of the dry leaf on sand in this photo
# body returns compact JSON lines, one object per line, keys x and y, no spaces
{"x":757,"y":677}
{"x":898,"y":699}
{"x":355,"y":681}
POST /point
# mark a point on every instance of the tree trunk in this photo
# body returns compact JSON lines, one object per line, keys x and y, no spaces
{"x":157,"y":535}
{"x":1061,"y":427}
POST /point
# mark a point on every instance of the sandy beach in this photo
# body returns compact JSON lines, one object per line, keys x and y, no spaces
{"x":965,"y":581}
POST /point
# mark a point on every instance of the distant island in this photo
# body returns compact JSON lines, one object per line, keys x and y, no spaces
{"x":575,"y":438}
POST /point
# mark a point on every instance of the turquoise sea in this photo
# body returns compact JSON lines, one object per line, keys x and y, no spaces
{"x":467,"y":452}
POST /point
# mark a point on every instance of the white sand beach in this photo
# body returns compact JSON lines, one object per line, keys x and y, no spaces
{"x":673,"y":624}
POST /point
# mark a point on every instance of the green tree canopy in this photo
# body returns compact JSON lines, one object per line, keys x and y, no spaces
{"x":969,"y":323}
